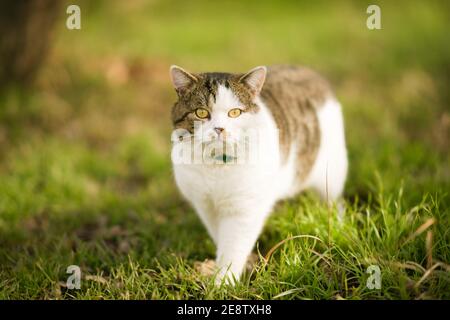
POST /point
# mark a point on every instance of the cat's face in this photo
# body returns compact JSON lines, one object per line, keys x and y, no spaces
{"x":216,"y":106}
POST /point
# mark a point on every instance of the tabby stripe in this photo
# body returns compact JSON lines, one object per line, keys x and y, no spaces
{"x":183,"y":117}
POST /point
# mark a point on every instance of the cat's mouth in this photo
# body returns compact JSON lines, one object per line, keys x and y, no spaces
{"x":225,"y":158}
{"x":220,"y":152}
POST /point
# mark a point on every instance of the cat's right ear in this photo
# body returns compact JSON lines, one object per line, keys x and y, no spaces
{"x":181,"y":79}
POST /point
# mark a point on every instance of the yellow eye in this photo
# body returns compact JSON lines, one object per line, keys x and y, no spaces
{"x":201,"y":113}
{"x":234,"y":113}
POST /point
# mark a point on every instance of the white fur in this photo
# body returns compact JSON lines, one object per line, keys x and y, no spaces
{"x":329,"y":172}
{"x":233,"y":201}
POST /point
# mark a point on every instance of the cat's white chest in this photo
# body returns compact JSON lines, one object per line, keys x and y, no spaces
{"x":224,"y":185}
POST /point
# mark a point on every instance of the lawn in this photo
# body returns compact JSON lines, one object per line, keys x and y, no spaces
{"x":86,"y":179}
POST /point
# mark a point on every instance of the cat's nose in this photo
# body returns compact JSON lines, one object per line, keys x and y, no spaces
{"x":218,"y":130}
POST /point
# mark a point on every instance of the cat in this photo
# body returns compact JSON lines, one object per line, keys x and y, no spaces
{"x":303,"y":146}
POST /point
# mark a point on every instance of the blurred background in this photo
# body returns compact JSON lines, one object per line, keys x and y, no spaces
{"x":85,"y":114}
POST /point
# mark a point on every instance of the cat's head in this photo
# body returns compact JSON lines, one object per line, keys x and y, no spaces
{"x":222,"y":104}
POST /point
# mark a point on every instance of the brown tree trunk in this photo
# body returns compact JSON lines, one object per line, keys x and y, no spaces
{"x":25,"y":34}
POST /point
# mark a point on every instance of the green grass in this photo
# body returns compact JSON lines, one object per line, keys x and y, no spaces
{"x":85,"y":175}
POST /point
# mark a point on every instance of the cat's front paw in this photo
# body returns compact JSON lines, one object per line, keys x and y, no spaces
{"x":225,"y":277}
{"x":209,"y":268}
{"x":230,"y":276}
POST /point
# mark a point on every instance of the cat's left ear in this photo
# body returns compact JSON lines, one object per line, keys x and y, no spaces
{"x":254,"y":79}
{"x":181,"y":79}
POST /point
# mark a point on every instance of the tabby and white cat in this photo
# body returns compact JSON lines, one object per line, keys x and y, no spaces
{"x":301,"y":120}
